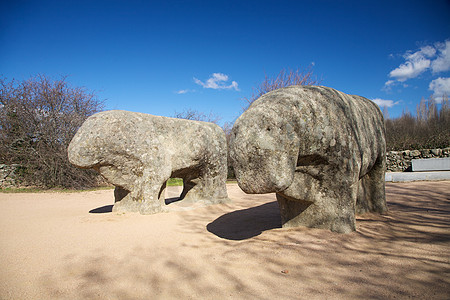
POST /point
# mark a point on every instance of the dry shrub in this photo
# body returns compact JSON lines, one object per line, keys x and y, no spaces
{"x":283,"y":79}
{"x":195,"y":115}
{"x":38,"y":118}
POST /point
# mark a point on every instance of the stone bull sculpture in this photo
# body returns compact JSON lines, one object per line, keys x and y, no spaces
{"x":139,"y":152}
{"x":321,"y":151}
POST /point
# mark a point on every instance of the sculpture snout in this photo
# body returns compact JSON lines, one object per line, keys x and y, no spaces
{"x":255,"y":183}
{"x":80,"y":156}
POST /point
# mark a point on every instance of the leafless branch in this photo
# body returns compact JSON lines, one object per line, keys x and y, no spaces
{"x":283,"y":79}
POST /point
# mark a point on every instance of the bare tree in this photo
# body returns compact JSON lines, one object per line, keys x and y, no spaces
{"x":38,"y":118}
{"x":283,"y":79}
{"x":191,"y":114}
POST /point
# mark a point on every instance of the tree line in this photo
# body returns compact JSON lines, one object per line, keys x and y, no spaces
{"x":428,"y":129}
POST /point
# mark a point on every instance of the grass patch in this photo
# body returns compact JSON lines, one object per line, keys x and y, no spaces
{"x":13,"y":190}
{"x":175,"y":182}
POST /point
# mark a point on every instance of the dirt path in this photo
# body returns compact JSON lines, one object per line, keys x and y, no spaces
{"x":71,"y":246}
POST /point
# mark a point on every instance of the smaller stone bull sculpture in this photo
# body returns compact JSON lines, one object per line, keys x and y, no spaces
{"x":139,"y":152}
{"x":321,"y":151}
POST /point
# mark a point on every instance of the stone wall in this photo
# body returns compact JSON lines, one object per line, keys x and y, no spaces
{"x":400,"y":161}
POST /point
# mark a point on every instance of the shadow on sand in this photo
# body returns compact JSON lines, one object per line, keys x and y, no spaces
{"x":172,"y":200}
{"x":108,"y":208}
{"x":246,"y":223}
{"x":102,"y":210}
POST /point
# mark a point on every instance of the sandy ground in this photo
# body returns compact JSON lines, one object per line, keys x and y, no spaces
{"x":71,"y":246}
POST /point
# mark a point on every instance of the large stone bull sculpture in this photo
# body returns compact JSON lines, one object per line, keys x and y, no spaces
{"x":321,"y":151}
{"x":139,"y":152}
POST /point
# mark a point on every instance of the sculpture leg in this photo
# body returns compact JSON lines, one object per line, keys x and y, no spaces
{"x":211,"y":189}
{"x":125,"y":200}
{"x":191,"y":189}
{"x":333,"y":210}
{"x":371,"y":190}
{"x":147,"y":197}
{"x":291,"y":211}
{"x":153,"y":197}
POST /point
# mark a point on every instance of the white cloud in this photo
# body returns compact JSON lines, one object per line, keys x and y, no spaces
{"x":440,"y":87}
{"x":217,"y":81}
{"x":416,"y":63}
{"x":182,"y":92}
{"x":435,"y":58}
{"x":442,"y":62}
{"x":389,"y":82}
{"x":385,"y":103}
{"x":410,"y":70}
{"x":388,"y":85}
{"x":427,"y":51}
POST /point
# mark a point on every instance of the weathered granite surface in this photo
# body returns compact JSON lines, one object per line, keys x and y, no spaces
{"x":320,"y":150}
{"x":139,"y":152}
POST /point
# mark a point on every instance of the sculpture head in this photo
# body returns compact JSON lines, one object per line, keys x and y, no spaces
{"x":94,"y":139}
{"x":264,"y":148}
{"x":105,"y":143}
{"x":83,"y":150}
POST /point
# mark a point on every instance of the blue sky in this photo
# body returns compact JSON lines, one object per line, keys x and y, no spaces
{"x":159,"y":57}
